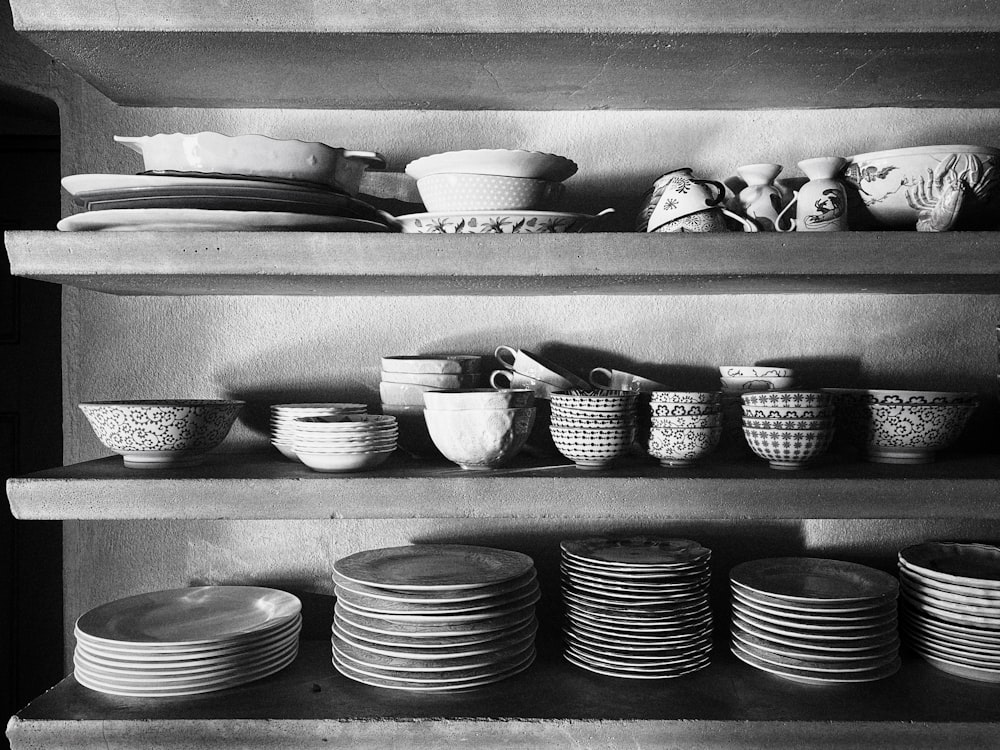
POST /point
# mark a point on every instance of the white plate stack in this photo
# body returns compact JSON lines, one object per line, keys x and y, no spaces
{"x":815,"y":621}
{"x":186,"y":641}
{"x":951,"y":606}
{"x":283,"y":418}
{"x":638,"y":607}
{"x":344,"y":442}
{"x":434,"y":617}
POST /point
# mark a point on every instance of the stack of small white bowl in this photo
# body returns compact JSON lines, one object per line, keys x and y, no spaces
{"x":434,"y":617}
{"x":637,"y":608}
{"x":405,"y":380}
{"x":789,"y":429}
{"x":902,"y":427}
{"x":739,"y":379}
{"x":283,"y":418}
{"x":593,"y":428}
{"x":685,"y":426}
{"x":186,"y":641}
{"x":815,"y":621}
{"x":951,"y":606}
{"x":479,"y":428}
{"x":344,"y":442}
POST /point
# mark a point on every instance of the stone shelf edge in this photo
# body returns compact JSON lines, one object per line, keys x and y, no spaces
{"x":552,"y":705}
{"x":266,"y":486}
{"x":317,"y":263}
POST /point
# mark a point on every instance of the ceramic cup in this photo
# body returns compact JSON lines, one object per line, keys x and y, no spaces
{"x":619,"y":380}
{"x":508,"y":379}
{"x":676,"y":194}
{"x":539,"y":368}
{"x":707,"y":220}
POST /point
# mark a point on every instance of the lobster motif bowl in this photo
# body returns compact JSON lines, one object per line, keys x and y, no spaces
{"x":932,"y":188}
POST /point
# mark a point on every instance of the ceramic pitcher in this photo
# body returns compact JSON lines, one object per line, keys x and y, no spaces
{"x":761,"y":199}
{"x":821,"y":204}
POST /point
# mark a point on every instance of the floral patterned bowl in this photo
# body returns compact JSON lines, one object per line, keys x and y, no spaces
{"x":678,"y":446}
{"x":789,"y":412}
{"x":496,"y":222}
{"x":688,"y":421}
{"x":161,"y":434}
{"x":794,"y":399}
{"x":787,"y":424}
{"x":899,"y":187}
{"x":912,"y":434}
{"x":788,"y":449}
{"x":676,"y":409}
{"x":685,"y":397}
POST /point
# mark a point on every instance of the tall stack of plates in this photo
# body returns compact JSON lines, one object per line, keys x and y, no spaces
{"x":186,"y":641}
{"x":815,"y":621}
{"x":951,"y":606}
{"x":638,"y":607}
{"x":434,"y":617}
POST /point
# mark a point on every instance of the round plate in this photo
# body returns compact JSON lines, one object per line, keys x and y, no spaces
{"x":461,"y":595}
{"x":842,"y":647}
{"x":375,"y":607}
{"x":634,"y":609}
{"x":648,"y":652}
{"x":924,"y":596}
{"x":836,"y":635}
{"x":448,"y":641}
{"x":827,"y":616}
{"x":814,"y":579}
{"x":520,"y":638}
{"x":953,"y":631}
{"x":614,"y":596}
{"x":795,"y":625}
{"x":382,"y":682}
{"x":812,"y":678}
{"x":819,"y":667}
{"x":643,"y":674}
{"x":949,"y":614}
{"x":812,"y":607}
{"x":637,"y":635}
{"x":748,"y":640}
{"x":432,"y":677}
{"x":636,"y":551}
{"x":969,"y":564}
{"x":433,"y":567}
{"x":977,"y":594}
{"x":436,"y":628}
{"x":210,"y":220}
{"x":961,"y":670}
{"x":203,"y":615}
{"x":443,"y":667}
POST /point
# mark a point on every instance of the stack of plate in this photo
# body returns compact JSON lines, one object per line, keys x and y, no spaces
{"x":186,"y":641}
{"x":213,"y":202}
{"x":434,"y":617}
{"x":815,"y":621}
{"x":951,"y":612}
{"x":283,"y":418}
{"x":637,"y":607}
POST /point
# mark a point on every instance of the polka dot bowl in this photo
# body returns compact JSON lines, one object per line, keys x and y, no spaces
{"x":488,"y":192}
{"x":161,"y":434}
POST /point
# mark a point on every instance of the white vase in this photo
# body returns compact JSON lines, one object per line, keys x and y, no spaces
{"x":761,"y":199}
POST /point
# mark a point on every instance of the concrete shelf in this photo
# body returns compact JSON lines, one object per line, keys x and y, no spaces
{"x":552,"y":705}
{"x":280,"y":263}
{"x":524,"y":55}
{"x":266,"y":486}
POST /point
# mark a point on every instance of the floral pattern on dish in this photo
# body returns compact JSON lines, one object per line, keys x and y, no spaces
{"x":494,"y":222}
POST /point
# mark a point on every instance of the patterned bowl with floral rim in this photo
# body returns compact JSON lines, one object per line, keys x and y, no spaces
{"x":912,"y":434}
{"x":794,"y":399}
{"x":161,"y":434}
{"x":679,"y":446}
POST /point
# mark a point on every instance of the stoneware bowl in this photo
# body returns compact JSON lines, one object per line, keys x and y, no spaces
{"x":755,"y":371}
{"x":685,"y":397}
{"x":892,"y":188}
{"x":485,"y":192}
{"x":677,"y":409}
{"x":680,"y":446}
{"x":343,"y":462}
{"x":892,"y":397}
{"x":409,"y":394}
{"x":912,"y":434}
{"x":756,"y":383}
{"x":161,"y":434}
{"x":479,"y":398}
{"x":496,"y":161}
{"x":255,"y":156}
{"x":788,"y":449}
{"x":560,"y":419}
{"x":446,"y":364}
{"x":589,"y":401}
{"x":479,"y":439}
{"x":788,"y":412}
{"x":592,"y":453}
{"x":689,"y":421}
{"x":787,"y":424}
{"x":433,"y":380}
{"x":793,"y":399}
{"x":595,"y":437}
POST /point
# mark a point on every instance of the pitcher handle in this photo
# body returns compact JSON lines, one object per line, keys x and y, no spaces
{"x":748,"y":226}
{"x":777,"y":220}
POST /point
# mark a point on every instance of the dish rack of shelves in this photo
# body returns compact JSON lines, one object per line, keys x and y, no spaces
{"x":154,"y":54}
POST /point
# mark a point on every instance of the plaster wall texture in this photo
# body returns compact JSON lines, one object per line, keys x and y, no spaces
{"x":266,"y":349}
